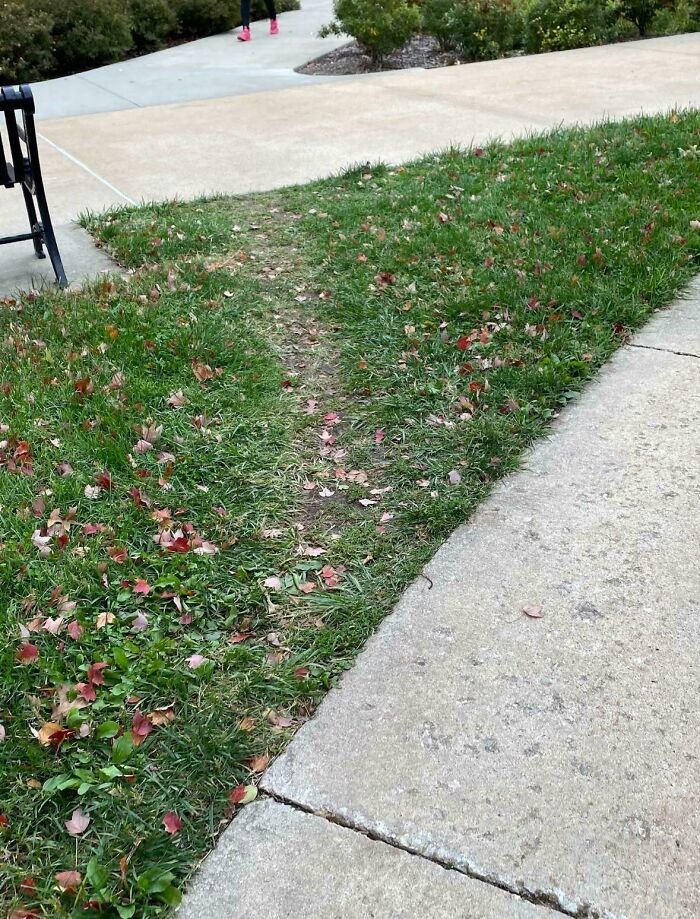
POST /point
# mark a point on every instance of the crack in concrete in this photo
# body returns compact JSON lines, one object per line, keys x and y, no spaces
{"x":665,"y":350}
{"x":548,"y":898}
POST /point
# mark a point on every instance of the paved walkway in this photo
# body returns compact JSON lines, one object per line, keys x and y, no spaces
{"x":206,"y":69}
{"x":477,"y":763}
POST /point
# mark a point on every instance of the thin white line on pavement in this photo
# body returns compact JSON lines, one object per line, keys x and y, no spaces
{"x":87,"y":169}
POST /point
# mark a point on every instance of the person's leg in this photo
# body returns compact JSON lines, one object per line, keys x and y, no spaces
{"x":245,"y":13}
{"x":271,"y":11}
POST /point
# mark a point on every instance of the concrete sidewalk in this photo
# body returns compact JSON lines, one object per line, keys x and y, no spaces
{"x":270,"y":139}
{"x":205,"y":69}
{"x":506,"y":766}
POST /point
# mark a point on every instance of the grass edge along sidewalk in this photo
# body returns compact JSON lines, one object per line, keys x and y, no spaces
{"x":218,"y":477}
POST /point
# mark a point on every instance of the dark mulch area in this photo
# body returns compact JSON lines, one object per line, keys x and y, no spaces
{"x":420,"y":51}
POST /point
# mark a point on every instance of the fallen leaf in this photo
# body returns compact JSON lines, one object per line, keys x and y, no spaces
{"x":172,"y":823}
{"x":162,"y":716}
{"x":141,"y":727}
{"x":243,"y":794}
{"x":104,"y":619}
{"x":68,"y":881}
{"x":140,"y":622}
{"x":75,"y":630}
{"x":259,"y":763}
{"x":28,"y":653}
{"x":46,"y":732}
{"x":196,"y":660}
{"x":78,"y":823}
{"x":118,"y":554}
{"x":142,"y":587}
{"x":534,"y":612}
{"x":453,"y":477}
{"x":273,"y":583}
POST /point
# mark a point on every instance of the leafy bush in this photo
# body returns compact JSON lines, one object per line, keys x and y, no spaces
{"x":153,"y":22}
{"x":640,"y":12}
{"x":25,"y":43}
{"x":485,"y":29}
{"x":555,"y":25}
{"x":206,"y":17}
{"x":681,"y":16}
{"x":87,"y":33}
{"x":436,"y":21}
{"x":379,"y":26}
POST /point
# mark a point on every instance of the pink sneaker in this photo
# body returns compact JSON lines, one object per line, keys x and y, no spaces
{"x":274,"y":28}
{"x":245,"y":34}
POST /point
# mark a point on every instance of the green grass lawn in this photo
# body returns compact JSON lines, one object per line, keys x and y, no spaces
{"x":217,"y":477}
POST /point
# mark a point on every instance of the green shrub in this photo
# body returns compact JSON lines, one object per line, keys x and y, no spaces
{"x":555,"y":25}
{"x":88,"y":33}
{"x":379,"y":26}
{"x":436,"y":21}
{"x":640,"y":12}
{"x":25,"y":43}
{"x":681,"y":16}
{"x":485,"y":29}
{"x":153,"y":22}
{"x":198,"y":18}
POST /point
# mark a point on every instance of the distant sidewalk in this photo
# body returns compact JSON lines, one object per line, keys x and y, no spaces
{"x":209,"y":68}
{"x":480,"y":763}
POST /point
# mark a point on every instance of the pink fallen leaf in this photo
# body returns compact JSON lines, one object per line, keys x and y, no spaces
{"x":196,"y":660}
{"x":139,"y":623}
{"x":118,"y":554}
{"x":273,"y":583}
{"x":453,"y":477}
{"x":142,"y":446}
{"x":534,"y":612}
{"x":3,"y":733}
{"x":307,"y":587}
{"x":68,"y":881}
{"x":204,"y":547}
{"x":75,"y":630}
{"x":172,"y":823}
{"x":95,"y":674}
{"x":142,"y":587}
{"x":78,"y":823}
{"x":379,"y":435}
{"x":86,"y":691}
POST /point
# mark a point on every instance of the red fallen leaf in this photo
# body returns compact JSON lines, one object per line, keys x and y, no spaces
{"x":463,"y":343}
{"x":186,"y":619}
{"x":27,"y":886}
{"x":68,"y":881}
{"x":118,"y":554}
{"x":172,"y":823}
{"x":95,"y":674}
{"x":478,"y":151}
{"x":239,"y":637}
{"x":104,"y":480}
{"x":307,"y":587}
{"x":510,"y":406}
{"x":4,"y":822}
{"x":142,"y":587}
{"x":581,"y":259}
{"x":576,"y":315}
{"x":442,"y":217}
{"x":28,"y":653}
{"x":237,"y":795}
{"x":57,"y":737}
{"x":86,"y":691}
{"x":75,"y":630}
{"x":22,"y":913}
{"x":180,"y":545}
{"x":379,"y":435}
{"x":141,"y":727}
{"x":489,"y":261}
{"x":384,"y":278}
{"x":476,"y":386}
{"x":533,"y":303}
{"x":301,"y":673}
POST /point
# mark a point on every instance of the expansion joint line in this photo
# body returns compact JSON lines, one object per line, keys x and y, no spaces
{"x":549,"y":899}
{"x":665,"y":350}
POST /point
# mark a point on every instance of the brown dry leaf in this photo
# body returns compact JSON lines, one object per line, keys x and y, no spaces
{"x":247,"y":724}
{"x":104,"y":619}
{"x":259,"y":763}
{"x":534,"y":612}
{"x":163,"y":715}
{"x":46,"y":732}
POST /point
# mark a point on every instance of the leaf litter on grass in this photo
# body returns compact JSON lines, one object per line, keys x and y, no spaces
{"x":215,"y":479}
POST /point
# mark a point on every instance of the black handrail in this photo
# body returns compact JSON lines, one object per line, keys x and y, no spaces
{"x":24,"y":169}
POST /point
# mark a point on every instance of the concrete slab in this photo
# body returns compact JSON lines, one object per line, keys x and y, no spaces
{"x":676,"y":329}
{"x":557,"y":755}
{"x":206,"y":69}
{"x":276,"y":862}
{"x":82,"y":260}
{"x":271,"y":139}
